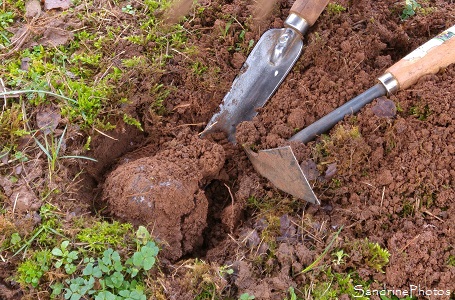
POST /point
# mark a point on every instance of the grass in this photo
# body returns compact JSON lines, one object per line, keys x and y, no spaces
{"x":53,"y":148}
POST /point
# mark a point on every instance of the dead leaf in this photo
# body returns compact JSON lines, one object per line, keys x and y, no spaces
{"x":32,"y":9}
{"x":51,"y":4}
{"x":384,"y":108}
{"x":310,"y":169}
{"x":331,"y":171}
{"x":25,"y":63}
{"x":55,"y":35}
{"x":47,"y":119}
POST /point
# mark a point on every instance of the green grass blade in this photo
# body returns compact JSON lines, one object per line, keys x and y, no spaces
{"x":79,"y":157}
{"x":8,"y":93}
{"x":320,"y":257}
{"x":43,"y":148}
{"x":60,"y":141}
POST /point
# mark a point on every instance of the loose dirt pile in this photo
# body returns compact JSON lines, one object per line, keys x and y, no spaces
{"x":164,"y":192}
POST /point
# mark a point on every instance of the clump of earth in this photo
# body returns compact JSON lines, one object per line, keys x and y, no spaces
{"x":164,"y":192}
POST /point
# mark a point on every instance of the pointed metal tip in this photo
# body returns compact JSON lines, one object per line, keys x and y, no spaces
{"x":282,"y":169}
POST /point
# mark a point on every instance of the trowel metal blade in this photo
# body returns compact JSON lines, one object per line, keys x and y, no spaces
{"x":280,"y":166}
{"x":265,"y":68}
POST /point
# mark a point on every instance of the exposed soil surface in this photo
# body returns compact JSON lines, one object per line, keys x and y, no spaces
{"x":386,"y":174}
{"x":395,"y":180}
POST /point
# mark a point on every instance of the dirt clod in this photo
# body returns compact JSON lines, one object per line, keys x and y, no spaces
{"x":166,"y":196}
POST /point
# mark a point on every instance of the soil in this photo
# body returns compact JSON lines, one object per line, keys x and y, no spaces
{"x":392,"y":182}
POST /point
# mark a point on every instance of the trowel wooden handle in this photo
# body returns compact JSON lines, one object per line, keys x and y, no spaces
{"x":429,"y":58}
{"x":310,"y":10}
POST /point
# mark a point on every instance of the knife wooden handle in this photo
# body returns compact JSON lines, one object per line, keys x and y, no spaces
{"x":310,"y":10}
{"x":429,"y":58}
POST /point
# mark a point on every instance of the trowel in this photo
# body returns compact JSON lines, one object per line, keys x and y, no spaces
{"x":280,"y":166}
{"x":265,"y":68}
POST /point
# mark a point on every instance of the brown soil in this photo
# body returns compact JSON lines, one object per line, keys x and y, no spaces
{"x":164,"y":192}
{"x":395,"y":180}
{"x":392,"y":183}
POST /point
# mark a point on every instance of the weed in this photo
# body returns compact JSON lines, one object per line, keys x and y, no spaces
{"x":451,"y":260}
{"x":108,"y":276}
{"x":103,"y":234}
{"x":6,"y":19}
{"x":32,"y":270}
{"x":320,"y":257}
{"x":407,"y":210}
{"x":292,"y":294}
{"x":199,"y":68}
{"x":246,"y":296}
{"x":132,"y":121}
{"x":160,"y":94}
{"x":335,"y":8}
{"x":339,"y":257}
{"x":375,"y":256}
{"x":12,"y":126}
{"x":129,"y":9}
{"x":410,"y":8}
{"x":225,"y":270}
{"x":43,"y":234}
{"x":421,"y":112}
{"x":65,"y":257}
{"x":338,"y":284}
{"x":52,"y":150}
{"x":224,"y":31}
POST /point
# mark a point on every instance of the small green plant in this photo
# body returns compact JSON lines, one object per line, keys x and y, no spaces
{"x":225,"y":270}
{"x":420,"y":112}
{"x":32,"y":270}
{"x":52,"y":151}
{"x":320,"y":257}
{"x":44,"y":233}
{"x":225,"y":30}
{"x":451,"y":260}
{"x":339,"y":257}
{"x":103,"y":235}
{"x":407,"y":210}
{"x":129,"y":9}
{"x":375,"y":256}
{"x":108,"y":276}
{"x":292,"y":294}
{"x":65,"y":257}
{"x":410,"y":8}
{"x":334,"y":285}
{"x":199,"y":68}
{"x":246,"y":296}
{"x":335,"y":8}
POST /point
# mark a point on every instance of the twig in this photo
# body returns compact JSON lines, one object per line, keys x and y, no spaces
{"x":37,"y":91}
{"x":193,"y":124}
{"x":232,"y":207}
{"x":15,"y":202}
{"x":434,"y":216}
{"x":409,"y":243}
{"x":102,"y":133}
{"x":3,"y":89}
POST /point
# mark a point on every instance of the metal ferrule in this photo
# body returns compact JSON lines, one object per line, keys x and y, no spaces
{"x":297,"y":23}
{"x":389,"y":82}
